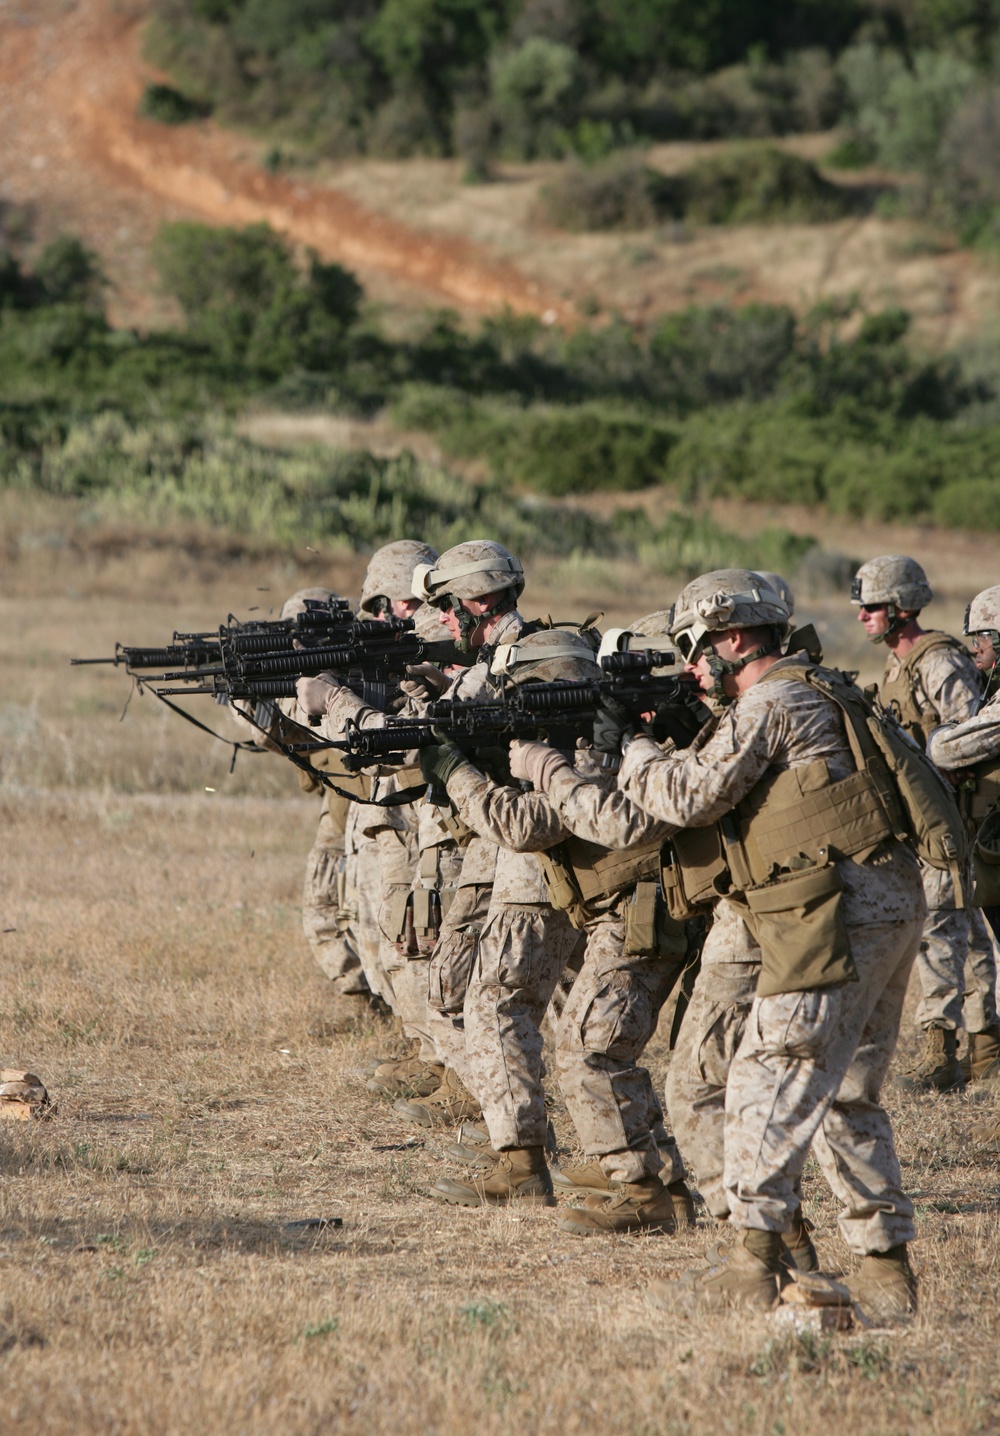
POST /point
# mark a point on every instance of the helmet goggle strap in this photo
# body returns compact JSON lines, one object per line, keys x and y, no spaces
{"x":694,"y":648}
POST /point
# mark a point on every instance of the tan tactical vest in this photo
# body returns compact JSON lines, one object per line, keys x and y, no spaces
{"x":899,"y":695}
{"x":579,"y":874}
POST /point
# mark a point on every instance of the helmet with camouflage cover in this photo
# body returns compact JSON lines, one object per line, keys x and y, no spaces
{"x":545,"y":656}
{"x":390,"y":570}
{"x":716,"y":602}
{"x":983,"y":615}
{"x":896,"y":583}
{"x":298,"y":602}
{"x":781,"y":587}
{"x":472,"y":570}
{"x":650,"y":631}
{"x":892,"y":578}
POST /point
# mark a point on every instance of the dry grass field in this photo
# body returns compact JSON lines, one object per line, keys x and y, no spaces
{"x":155,"y":975}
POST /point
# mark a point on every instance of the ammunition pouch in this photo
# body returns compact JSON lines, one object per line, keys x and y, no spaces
{"x":579,"y":874}
{"x":694,"y":873}
{"x":978,"y":794}
{"x":650,"y":931}
{"x":426,"y":907}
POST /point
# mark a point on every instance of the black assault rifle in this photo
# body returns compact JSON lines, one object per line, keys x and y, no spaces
{"x":321,"y":621}
{"x":558,"y":712}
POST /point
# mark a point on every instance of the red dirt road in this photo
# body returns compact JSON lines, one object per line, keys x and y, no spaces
{"x":76,"y":153}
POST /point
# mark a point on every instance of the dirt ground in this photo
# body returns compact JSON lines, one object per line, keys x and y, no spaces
{"x":155,"y":975}
{"x":76,"y":157}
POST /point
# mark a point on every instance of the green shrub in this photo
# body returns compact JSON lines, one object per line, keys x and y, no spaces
{"x":618,"y":194}
{"x":761,"y":185}
{"x":242,"y":294}
{"x":168,"y":106}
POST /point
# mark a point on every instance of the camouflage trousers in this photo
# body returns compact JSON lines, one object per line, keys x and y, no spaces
{"x":363,"y":896}
{"x":521,"y":954}
{"x":808,"y":1073}
{"x":956,"y":963}
{"x":609,"y":1017}
{"x":448,"y":974}
{"x":710,"y":1033}
{"x":439,"y":868}
{"x":326,"y":919}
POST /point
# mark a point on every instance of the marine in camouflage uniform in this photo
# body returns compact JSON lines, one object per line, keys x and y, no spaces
{"x":969,"y":752}
{"x":536,"y":926}
{"x":930,"y":679}
{"x":817,"y":1043}
{"x":326,"y":903}
{"x":482,"y":581}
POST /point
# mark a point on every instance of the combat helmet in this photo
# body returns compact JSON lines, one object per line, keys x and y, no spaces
{"x":546,"y":655}
{"x":781,"y":587}
{"x":983,"y":616}
{"x":896,"y":581}
{"x":650,"y":631}
{"x":470,"y":570}
{"x":721,"y":600}
{"x":300,"y":601}
{"x":389,"y":574}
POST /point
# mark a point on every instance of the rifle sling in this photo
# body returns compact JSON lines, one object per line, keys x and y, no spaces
{"x":392,"y":800}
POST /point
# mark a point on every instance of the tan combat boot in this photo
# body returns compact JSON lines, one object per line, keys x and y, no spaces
{"x":450,"y":1104}
{"x":465,"y":1156}
{"x":750,"y":1274}
{"x":412,"y":1077}
{"x":634,"y":1207}
{"x":984,"y":1054}
{"x":885,"y":1285}
{"x":936,"y":1069}
{"x":590,"y":1177}
{"x":520,"y":1175}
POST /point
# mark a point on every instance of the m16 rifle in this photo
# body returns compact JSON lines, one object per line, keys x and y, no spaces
{"x":557,"y":712}
{"x":192,"y":651}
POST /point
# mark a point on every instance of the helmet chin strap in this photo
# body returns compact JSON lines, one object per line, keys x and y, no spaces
{"x":469,"y":622}
{"x":895,"y":625}
{"x":719,"y":667}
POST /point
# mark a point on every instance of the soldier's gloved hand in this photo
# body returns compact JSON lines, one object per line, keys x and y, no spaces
{"x":314,"y":695}
{"x":613,"y":724}
{"x":438,"y":763}
{"x":535,"y":762}
{"x":424,"y":682}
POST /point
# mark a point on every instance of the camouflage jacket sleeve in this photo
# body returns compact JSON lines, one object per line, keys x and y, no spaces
{"x":957,"y":745}
{"x":948,"y":684}
{"x":592,"y":809}
{"x":522,"y":822}
{"x":773,"y":724}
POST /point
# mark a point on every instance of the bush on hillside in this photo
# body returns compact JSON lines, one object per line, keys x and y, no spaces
{"x":621,"y":193}
{"x":168,"y":106}
{"x":242,"y":294}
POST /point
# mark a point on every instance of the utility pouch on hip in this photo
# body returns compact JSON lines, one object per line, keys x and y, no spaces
{"x":986,"y":862}
{"x":650,"y":931}
{"x":695,"y":872}
{"x":560,"y":884}
{"x":798,"y":920}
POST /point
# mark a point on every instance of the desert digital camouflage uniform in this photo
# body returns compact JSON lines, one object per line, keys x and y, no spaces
{"x":459,"y":866}
{"x":709,"y":1035}
{"x":956,"y":964}
{"x":523,"y":947}
{"x":614,"y":1003}
{"x":810,"y":1064}
{"x":325,"y":905}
